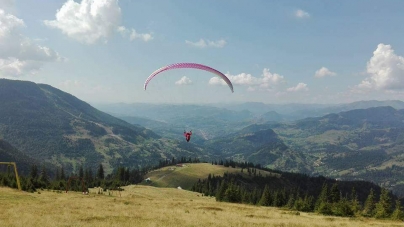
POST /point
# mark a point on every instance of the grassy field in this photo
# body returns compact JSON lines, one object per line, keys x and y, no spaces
{"x":151,"y":207}
{"x":188,"y":175}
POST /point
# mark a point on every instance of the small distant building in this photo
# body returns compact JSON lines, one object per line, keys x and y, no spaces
{"x":180,"y":165}
{"x":179,"y":187}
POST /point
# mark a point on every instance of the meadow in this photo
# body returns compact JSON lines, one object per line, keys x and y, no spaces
{"x":186,"y":176}
{"x":140,"y":205}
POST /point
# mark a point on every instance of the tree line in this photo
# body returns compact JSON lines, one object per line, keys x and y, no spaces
{"x":300,"y":192}
{"x":39,"y":177}
{"x":254,"y":185}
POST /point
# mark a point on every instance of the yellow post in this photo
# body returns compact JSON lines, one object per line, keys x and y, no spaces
{"x":15,"y":171}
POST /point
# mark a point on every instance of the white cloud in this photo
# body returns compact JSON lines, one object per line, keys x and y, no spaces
{"x":19,"y":55}
{"x":217,"y":81}
{"x":133,"y":34}
{"x":202,"y":43}
{"x":323,"y":72}
{"x":298,"y":87}
{"x":271,"y":78}
{"x":386,"y":70}
{"x":301,"y":14}
{"x":267,"y":80}
{"x":91,"y":20}
{"x":184,"y":81}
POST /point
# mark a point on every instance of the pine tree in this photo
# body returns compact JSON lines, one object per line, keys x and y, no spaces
{"x":299,"y":203}
{"x":220,"y":192}
{"x":322,"y":204}
{"x":100,"y":173}
{"x":275,"y":199}
{"x":244,"y":195}
{"x":343,"y":208}
{"x":384,"y":205}
{"x":255,"y":196}
{"x":62,"y":174}
{"x":57,"y":174}
{"x":354,"y":201}
{"x":398,"y":211}
{"x":232,"y":194}
{"x":322,"y":198}
{"x":90,"y":175}
{"x":308,"y":203}
{"x":34,"y":172}
{"x":44,"y":179}
{"x":334,"y":193}
{"x":369,"y":209}
{"x":291,"y":201}
{"x":81,"y":172}
{"x":266,"y":199}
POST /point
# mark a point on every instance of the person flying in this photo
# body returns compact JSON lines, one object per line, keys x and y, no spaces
{"x":187,"y":135}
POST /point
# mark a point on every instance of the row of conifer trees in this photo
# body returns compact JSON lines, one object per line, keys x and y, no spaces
{"x":327,"y":198}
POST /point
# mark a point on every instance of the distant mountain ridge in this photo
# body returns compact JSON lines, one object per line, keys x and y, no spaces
{"x":338,"y":141}
{"x":363,"y":144}
{"x":51,"y":125}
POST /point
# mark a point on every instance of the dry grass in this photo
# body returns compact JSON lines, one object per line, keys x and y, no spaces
{"x":185,"y":177}
{"x":150,"y":206}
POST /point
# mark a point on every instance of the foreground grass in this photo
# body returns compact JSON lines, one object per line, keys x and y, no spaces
{"x":150,"y":206}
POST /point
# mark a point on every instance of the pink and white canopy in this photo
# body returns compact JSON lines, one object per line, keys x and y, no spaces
{"x":189,"y":65}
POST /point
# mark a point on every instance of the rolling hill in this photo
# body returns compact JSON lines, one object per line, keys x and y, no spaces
{"x":8,"y":153}
{"x":53,"y":126}
{"x":206,"y":177}
{"x":259,"y":144}
{"x":361,"y":144}
{"x":186,"y":175}
{"x":360,"y":140}
{"x":364,"y":144}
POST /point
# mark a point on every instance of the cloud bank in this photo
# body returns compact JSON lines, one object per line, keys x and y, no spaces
{"x":92,"y":20}
{"x":386,"y":70}
{"x":323,"y":72}
{"x":19,"y":55}
{"x":183,"y":81}
{"x":203,"y":44}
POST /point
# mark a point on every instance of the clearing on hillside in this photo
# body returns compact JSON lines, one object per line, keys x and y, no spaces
{"x":187,"y":174}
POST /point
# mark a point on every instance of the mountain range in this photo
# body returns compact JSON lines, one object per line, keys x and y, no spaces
{"x":356,"y":141}
{"x":55,"y":127}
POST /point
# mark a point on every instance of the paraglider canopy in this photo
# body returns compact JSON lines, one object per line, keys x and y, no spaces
{"x":189,"y":65}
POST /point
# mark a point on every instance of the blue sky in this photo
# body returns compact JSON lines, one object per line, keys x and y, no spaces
{"x":102,"y":51}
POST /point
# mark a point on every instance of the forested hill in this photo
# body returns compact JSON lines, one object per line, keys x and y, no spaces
{"x":51,"y":125}
{"x":8,"y":153}
{"x":362,"y":144}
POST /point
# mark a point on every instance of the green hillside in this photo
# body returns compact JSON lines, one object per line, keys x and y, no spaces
{"x":51,"y":125}
{"x":8,"y":153}
{"x":260,"y":144}
{"x":363,"y":144}
{"x":187,"y":175}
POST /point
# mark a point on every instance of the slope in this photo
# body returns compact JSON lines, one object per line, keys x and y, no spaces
{"x":188,"y":174}
{"x":150,"y":206}
{"x":364,"y":144}
{"x":51,"y":125}
{"x":259,"y":144}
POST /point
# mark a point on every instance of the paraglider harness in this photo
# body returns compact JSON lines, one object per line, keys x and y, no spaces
{"x":187,"y":135}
